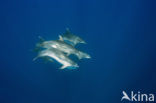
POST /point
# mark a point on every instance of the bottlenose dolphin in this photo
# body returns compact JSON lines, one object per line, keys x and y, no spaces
{"x":65,"y":48}
{"x":73,"y":39}
{"x":58,"y":56}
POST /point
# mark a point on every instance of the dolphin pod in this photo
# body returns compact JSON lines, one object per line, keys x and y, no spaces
{"x":60,"y":50}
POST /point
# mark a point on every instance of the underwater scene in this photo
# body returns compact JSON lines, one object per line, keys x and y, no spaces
{"x":77,"y":51}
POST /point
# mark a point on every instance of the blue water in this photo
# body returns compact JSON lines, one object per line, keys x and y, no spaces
{"x":120,"y":36}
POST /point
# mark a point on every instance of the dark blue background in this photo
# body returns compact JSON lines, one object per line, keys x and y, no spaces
{"x":121,"y":37}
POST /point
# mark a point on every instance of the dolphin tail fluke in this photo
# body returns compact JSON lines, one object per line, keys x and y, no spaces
{"x":39,"y":44}
{"x":37,"y":48}
{"x":82,"y":55}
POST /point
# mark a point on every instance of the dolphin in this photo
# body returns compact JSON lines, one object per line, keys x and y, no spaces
{"x":58,"y":56}
{"x":73,"y":39}
{"x":65,"y":48}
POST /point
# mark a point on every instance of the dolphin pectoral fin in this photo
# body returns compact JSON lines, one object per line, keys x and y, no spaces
{"x":61,"y":38}
{"x":63,"y":67}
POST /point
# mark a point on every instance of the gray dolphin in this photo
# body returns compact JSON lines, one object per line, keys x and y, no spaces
{"x":73,"y":39}
{"x":65,"y":48}
{"x":58,"y":56}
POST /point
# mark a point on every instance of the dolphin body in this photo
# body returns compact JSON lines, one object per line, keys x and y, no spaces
{"x":58,"y":56}
{"x":65,"y":48}
{"x":73,"y":39}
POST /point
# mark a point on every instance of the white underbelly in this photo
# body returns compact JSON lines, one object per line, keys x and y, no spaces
{"x":63,"y":62}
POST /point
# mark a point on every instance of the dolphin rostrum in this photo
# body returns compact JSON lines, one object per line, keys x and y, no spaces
{"x":73,"y":39}
{"x":65,"y":48}
{"x":58,"y":56}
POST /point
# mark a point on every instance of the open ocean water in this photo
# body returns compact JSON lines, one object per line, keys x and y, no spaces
{"x":120,"y":36}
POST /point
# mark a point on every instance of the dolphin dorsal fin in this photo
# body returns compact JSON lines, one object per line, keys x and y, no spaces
{"x":67,"y":30}
{"x":61,"y":38}
{"x":41,"y":39}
